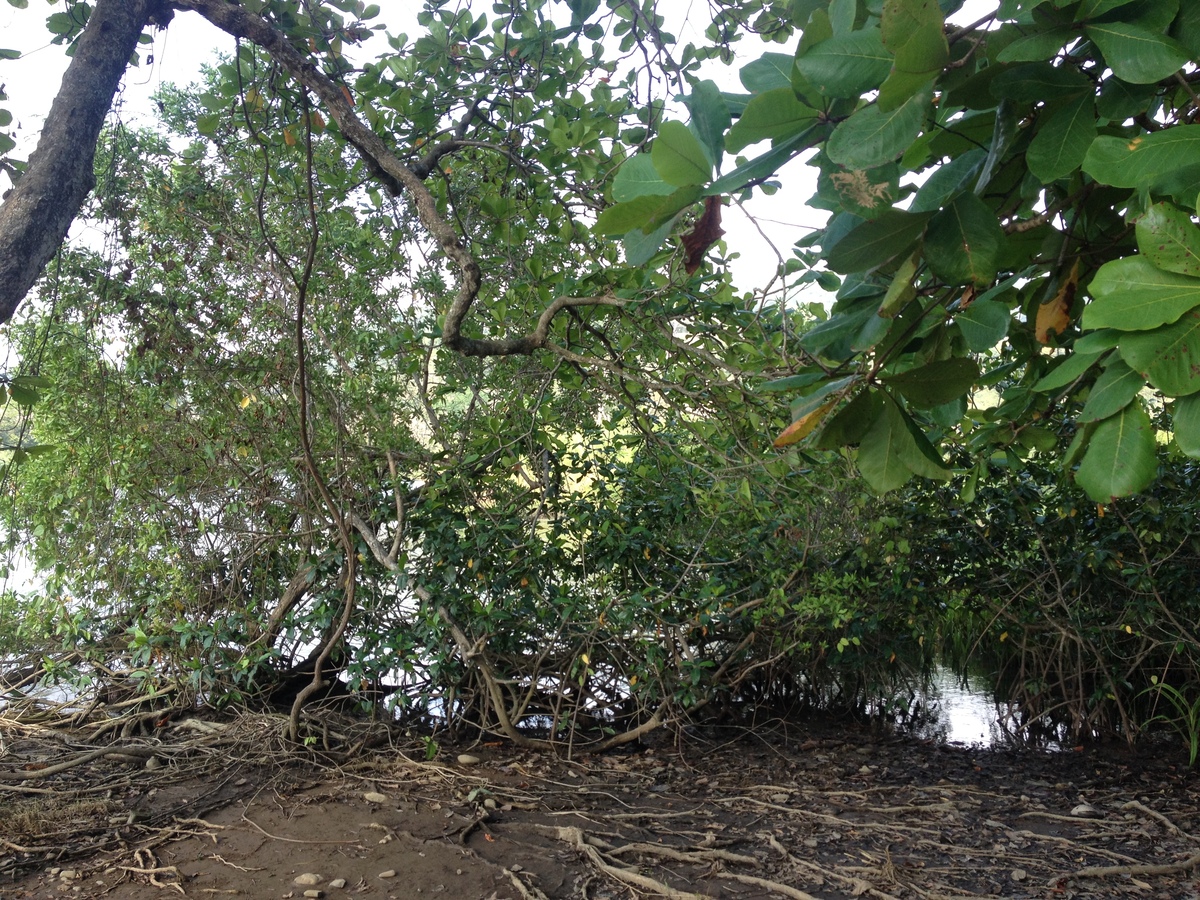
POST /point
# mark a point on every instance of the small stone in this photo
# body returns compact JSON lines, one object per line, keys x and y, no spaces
{"x":388,"y":873}
{"x":466,"y":759}
{"x":338,"y":883}
{"x":314,"y":893}
{"x":779,"y":798}
{"x":375,"y":797}
{"x":489,"y":803}
{"x":68,"y":875}
{"x":1019,"y":874}
{"x":308,"y":878}
{"x":864,"y":770}
{"x":153,"y":763}
{"x":1086,"y":811}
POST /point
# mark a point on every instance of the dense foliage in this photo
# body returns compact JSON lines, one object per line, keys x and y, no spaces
{"x":358,"y":395}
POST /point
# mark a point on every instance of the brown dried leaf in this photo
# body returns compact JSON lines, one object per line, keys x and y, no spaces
{"x":706,"y":232}
{"x":1055,"y":314}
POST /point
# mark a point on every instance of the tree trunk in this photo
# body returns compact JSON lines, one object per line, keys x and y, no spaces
{"x":35,"y":216}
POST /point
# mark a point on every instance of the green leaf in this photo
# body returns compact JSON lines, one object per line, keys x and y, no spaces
{"x":1186,"y":419}
{"x":1119,"y":100}
{"x":792,"y":382}
{"x":775,"y":115}
{"x":637,"y":177}
{"x":1131,"y":162}
{"x":1039,"y":46}
{"x":10,"y":54}
{"x":915,"y":32}
{"x":767,"y":73}
{"x":874,"y":243}
{"x":936,"y":383}
{"x":679,"y":157}
{"x":1068,"y":371}
{"x":1114,"y":390}
{"x":964,"y":242}
{"x":1120,"y":456}
{"x":851,"y":423}
{"x":1132,"y":294}
{"x":765,"y":165}
{"x":880,"y":459}
{"x":872,"y":137}
{"x":1136,"y":54}
{"x":983,"y":324}
{"x":1167,"y":237}
{"x":644,"y":212}
{"x":640,"y":247}
{"x":846,"y":65}
{"x":809,"y":403}
{"x":19,"y":4}
{"x":948,"y":181}
{"x":1169,"y":357}
{"x":710,"y":117}
{"x":1040,"y":82}
{"x":1062,"y":140}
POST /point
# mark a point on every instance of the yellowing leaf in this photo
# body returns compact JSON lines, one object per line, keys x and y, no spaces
{"x":1004,"y":637}
{"x":803,"y":427}
{"x":246,"y":401}
{"x":1055,"y":314}
{"x":646,"y":553}
{"x":289,"y":137}
{"x":586,"y":660}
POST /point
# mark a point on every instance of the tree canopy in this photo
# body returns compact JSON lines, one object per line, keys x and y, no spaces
{"x":437,"y":358}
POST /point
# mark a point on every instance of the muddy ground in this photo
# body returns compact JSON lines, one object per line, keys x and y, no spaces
{"x":224,"y":809}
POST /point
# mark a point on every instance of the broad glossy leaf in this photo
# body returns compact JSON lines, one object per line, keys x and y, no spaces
{"x":637,"y":177}
{"x":964,"y":242}
{"x":774,"y":115}
{"x":1186,"y":419}
{"x":846,"y":65}
{"x":1120,"y":457}
{"x":872,"y":137}
{"x":803,"y":406}
{"x":1067,"y":371}
{"x":1169,"y":239}
{"x":768,"y":72}
{"x":948,"y":181}
{"x":1040,"y":45}
{"x":1168,"y":357}
{"x":710,"y":117}
{"x":1040,"y":82}
{"x":1186,"y":28}
{"x":1136,"y":54}
{"x":804,"y":426}
{"x":1113,"y":391}
{"x":766,"y":164}
{"x":644,"y":212}
{"x":983,"y":324}
{"x":679,"y":156}
{"x":1132,"y":294}
{"x":936,"y":383}
{"x":1062,"y":140}
{"x":914,"y":31}
{"x":641,"y":247}
{"x":1119,"y":100}
{"x":1093,"y":9}
{"x":874,"y":243}
{"x":880,"y":457}
{"x":851,"y":422}
{"x":1130,"y":162}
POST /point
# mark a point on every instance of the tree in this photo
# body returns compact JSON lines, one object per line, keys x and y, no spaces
{"x":1013,"y":208}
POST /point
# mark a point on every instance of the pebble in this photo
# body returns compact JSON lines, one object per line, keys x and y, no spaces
{"x":314,"y":893}
{"x":466,"y":759}
{"x":388,"y":873}
{"x":375,"y":797}
{"x":338,"y":883}
{"x":308,"y":878}
{"x":489,"y":803}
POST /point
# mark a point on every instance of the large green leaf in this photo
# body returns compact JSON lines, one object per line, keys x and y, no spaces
{"x":872,"y":137}
{"x":645,"y":212}
{"x":983,"y":324}
{"x":1131,"y":162}
{"x":775,"y":115}
{"x":851,"y":423}
{"x":936,"y":383}
{"x":679,"y":156}
{"x":1168,"y":238}
{"x":637,"y":177}
{"x":1113,"y":391}
{"x":641,"y":246}
{"x":874,"y":243}
{"x":948,"y":181}
{"x":768,"y":72}
{"x":1062,"y":141}
{"x":767,"y":164}
{"x":710,"y":117}
{"x":1168,"y":357}
{"x":1039,"y":82}
{"x":914,"y":31}
{"x":1133,"y":294}
{"x":1186,"y":419}
{"x":1040,"y":45}
{"x":1067,"y":371}
{"x":846,"y":65}
{"x":964,"y":242}
{"x":1136,"y":54}
{"x":1120,"y":456}
{"x":880,"y":457}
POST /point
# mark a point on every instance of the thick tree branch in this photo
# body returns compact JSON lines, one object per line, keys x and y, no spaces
{"x":387,"y":167}
{"x":37,"y":212}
